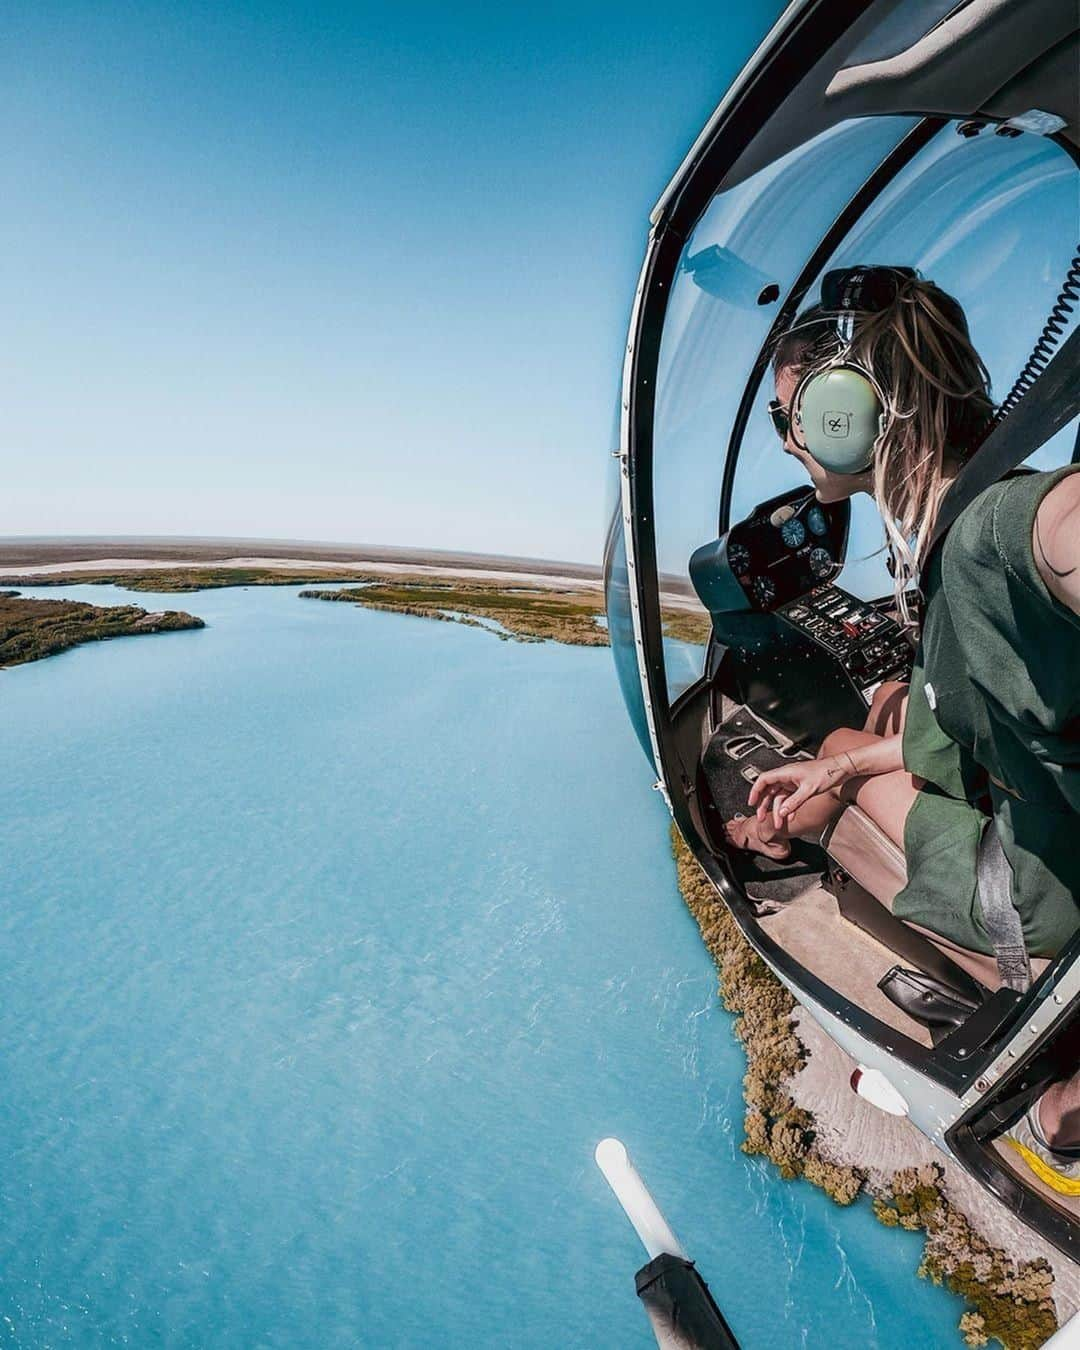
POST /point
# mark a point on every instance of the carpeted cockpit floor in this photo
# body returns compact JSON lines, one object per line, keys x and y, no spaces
{"x":740,"y":748}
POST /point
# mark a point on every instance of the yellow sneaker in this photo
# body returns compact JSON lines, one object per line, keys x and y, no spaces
{"x":1057,"y":1168}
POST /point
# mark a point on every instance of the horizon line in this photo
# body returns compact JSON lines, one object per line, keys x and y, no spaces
{"x":94,"y":543}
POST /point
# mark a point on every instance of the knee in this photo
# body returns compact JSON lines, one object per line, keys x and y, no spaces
{"x":888,"y":709}
{"x":843,"y":738}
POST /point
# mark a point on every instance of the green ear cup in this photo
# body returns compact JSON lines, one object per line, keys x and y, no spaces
{"x":841,"y":418}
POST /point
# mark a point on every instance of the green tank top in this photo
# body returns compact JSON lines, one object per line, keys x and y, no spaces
{"x":993,"y":725}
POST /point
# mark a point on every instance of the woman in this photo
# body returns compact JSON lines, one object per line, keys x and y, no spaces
{"x":991,"y":723}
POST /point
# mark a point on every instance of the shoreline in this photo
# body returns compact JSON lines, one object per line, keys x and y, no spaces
{"x":518,"y":607}
{"x":36,"y":561}
{"x":800,"y":1113}
{"x":35,"y":629}
{"x":802,"y":1116}
{"x":41,"y":573}
{"x":560,"y":605}
{"x":526,"y":614}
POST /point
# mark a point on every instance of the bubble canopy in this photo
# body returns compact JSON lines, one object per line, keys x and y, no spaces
{"x":860,"y":133}
{"x":990,"y":218}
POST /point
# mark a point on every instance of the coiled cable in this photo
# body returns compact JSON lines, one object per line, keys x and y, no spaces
{"x":1049,"y":338}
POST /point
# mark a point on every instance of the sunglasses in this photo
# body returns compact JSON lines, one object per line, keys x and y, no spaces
{"x":780,"y":418}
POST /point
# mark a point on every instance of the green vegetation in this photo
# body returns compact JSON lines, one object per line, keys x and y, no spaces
{"x":686,"y":625}
{"x":528,"y":614}
{"x":1011,"y":1302}
{"x":32,"y":629}
{"x":169,"y":579}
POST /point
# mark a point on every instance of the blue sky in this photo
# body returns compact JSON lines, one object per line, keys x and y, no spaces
{"x":333,"y":271}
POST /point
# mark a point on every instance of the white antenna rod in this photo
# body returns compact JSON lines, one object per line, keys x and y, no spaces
{"x":639,"y":1206}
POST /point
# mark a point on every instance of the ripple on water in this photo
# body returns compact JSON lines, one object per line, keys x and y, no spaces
{"x":334,"y":942}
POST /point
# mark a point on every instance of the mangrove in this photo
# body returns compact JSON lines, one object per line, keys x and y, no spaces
{"x":33,"y":629}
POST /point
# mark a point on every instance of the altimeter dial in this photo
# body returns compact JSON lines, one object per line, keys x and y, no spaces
{"x":821,"y":563}
{"x":738,"y":559}
{"x":764,"y":591}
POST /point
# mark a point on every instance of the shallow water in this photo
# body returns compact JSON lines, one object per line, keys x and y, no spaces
{"x":333,"y":942}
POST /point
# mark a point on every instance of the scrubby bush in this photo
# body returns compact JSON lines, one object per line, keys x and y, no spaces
{"x":1011,"y":1302}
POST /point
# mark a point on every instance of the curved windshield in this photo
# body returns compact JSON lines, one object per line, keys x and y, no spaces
{"x":744,"y":254}
{"x":617,"y":598}
{"x":991,"y":220}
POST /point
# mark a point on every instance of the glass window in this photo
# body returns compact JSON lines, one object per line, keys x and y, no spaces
{"x":617,"y":598}
{"x":757,"y":235}
{"x":991,"y":220}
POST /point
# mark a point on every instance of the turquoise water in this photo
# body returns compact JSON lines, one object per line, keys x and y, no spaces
{"x":333,"y":942}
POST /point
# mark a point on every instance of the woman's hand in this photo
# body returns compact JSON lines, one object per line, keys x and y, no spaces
{"x":782,"y":791}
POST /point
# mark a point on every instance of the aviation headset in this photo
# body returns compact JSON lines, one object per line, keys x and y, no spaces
{"x":839,"y":405}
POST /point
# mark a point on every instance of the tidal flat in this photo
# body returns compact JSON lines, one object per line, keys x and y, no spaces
{"x":522,"y":614}
{"x":529,"y":607}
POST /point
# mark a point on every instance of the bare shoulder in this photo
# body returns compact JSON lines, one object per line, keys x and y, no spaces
{"x":1056,"y":541}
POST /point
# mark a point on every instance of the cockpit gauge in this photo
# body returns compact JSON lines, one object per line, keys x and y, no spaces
{"x":739,"y":559}
{"x":793,"y":532}
{"x":821,"y":563}
{"x":764,"y":590}
{"x":815,"y":518}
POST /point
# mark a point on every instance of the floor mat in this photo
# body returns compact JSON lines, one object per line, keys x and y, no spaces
{"x":742,"y":747}
{"x":811,"y":929}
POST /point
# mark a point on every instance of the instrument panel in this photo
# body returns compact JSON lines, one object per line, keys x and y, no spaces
{"x":791,"y":641}
{"x":789,"y":546}
{"x":869,"y":645}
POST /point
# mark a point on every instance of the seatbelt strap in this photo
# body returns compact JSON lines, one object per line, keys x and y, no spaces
{"x":999,"y":913}
{"x":1050,"y":404}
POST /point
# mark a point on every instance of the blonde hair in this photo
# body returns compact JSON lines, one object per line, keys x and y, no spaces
{"x":936,"y":391}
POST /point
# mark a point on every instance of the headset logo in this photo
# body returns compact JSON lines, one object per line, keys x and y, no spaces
{"x":836,"y":424}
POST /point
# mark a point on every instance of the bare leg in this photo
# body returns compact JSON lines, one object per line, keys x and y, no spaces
{"x":886,"y":798}
{"x":888,"y":711}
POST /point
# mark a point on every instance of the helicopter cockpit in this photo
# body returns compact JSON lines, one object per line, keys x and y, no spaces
{"x":747,"y":618}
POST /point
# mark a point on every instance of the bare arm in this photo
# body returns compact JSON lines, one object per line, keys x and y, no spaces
{"x":1056,"y":541}
{"x":885,"y":755}
{"x":782,"y":791}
